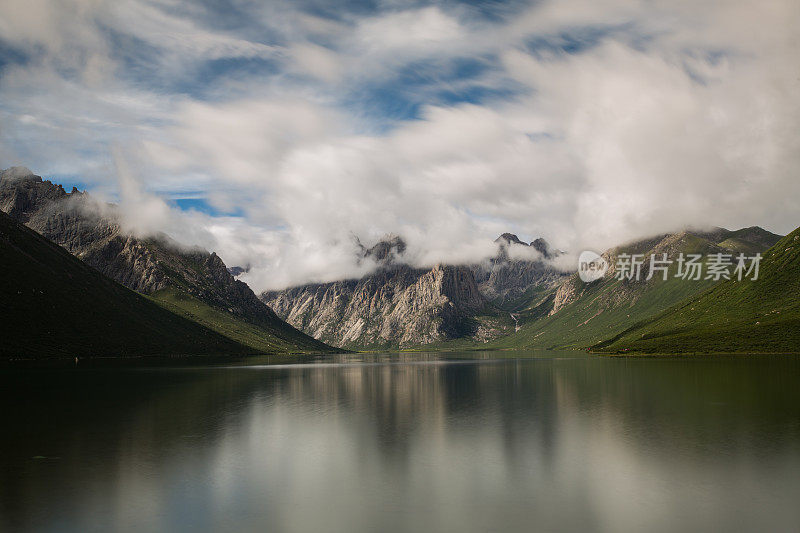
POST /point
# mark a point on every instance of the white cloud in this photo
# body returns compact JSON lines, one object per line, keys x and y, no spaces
{"x":316,"y":61}
{"x":674,"y":114}
{"x":416,"y":31}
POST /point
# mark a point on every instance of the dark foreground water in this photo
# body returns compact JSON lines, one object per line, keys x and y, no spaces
{"x":522,"y":442}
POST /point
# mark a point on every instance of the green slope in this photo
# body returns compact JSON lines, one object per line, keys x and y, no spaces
{"x":201,"y":289}
{"x":152,"y":264}
{"x":748,"y":316}
{"x":55,"y":305}
{"x":275,"y":337}
{"x":606,"y":307}
{"x":594,"y":317}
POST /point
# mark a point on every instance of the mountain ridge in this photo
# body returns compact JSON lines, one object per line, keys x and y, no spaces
{"x":149,"y":265}
{"x":400,"y":306}
{"x":749,"y":315}
{"x":515,"y":299}
{"x":57,"y":306}
{"x":579,"y":314}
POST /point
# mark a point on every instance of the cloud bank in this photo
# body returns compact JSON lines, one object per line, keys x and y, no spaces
{"x":299,"y":125}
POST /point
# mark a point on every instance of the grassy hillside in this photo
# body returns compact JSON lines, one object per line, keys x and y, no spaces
{"x":592,"y":318}
{"x":597,"y":311}
{"x":150,"y":264}
{"x":279,"y":338}
{"x":55,"y":305}
{"x":748,"y":316}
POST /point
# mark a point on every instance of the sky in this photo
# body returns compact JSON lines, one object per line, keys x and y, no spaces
{"x":277,"y":132}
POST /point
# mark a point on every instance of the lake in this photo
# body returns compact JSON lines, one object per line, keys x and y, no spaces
{"x":461,"y":442}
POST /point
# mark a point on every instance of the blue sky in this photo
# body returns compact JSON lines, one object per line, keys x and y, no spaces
{"x":272,"y":131}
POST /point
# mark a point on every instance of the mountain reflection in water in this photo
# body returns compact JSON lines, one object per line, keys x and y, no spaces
{"x":419,"y":442}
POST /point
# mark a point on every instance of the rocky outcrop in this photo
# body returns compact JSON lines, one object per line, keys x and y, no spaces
{"x":519,"y":269}
{"x":569,"y":291}
{"x":395,"y":306}
{"x":385,"y":251}
{"x":506,"y":241}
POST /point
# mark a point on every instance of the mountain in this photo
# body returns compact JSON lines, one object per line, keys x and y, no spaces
{"x":513,"y":300}
{"x":516,"y":299}
{"x":396,"y":306}
{"x":738,"y":316}
{"x":56,"y":305}
{"x":518,"y":272}
{"x":402,"y":306}
{"x":237,"y":271}
{"x":191,"y":282}
{"x":578,"y":314}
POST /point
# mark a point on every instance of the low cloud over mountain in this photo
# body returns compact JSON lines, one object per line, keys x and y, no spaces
{"x":274,"y":132}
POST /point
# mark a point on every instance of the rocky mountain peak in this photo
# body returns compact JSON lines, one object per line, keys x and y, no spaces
{"x":543,"y":247}
{"x":144,"y":264}
{"x":385,"y":250}
{"x":237,"y":271}
{"x":22,"y":193}
{"x":509,"y":238}
{"x":18,"y":173}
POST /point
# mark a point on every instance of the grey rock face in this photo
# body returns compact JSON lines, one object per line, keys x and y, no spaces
{"x":507,"y":240}
{"x":508,"y":281}
{"x":403,"y":306}
{"x":396,"y":306}
{"x":237,"y":271}
{"x":384,"y":251}
{"x":507,"y":284}
{"x":91,"y":232}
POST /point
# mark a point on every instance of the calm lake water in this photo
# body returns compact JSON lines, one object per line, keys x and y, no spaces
{"x":423,"y":442}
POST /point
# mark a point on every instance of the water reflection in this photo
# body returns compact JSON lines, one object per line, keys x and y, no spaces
{"x":413,"y":442}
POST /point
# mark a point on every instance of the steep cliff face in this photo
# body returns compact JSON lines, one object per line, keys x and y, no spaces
{"x":399,"y":305}
{"x":396,"y":306}
{"x":91,"y":232}
{"x":517,"y":273}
